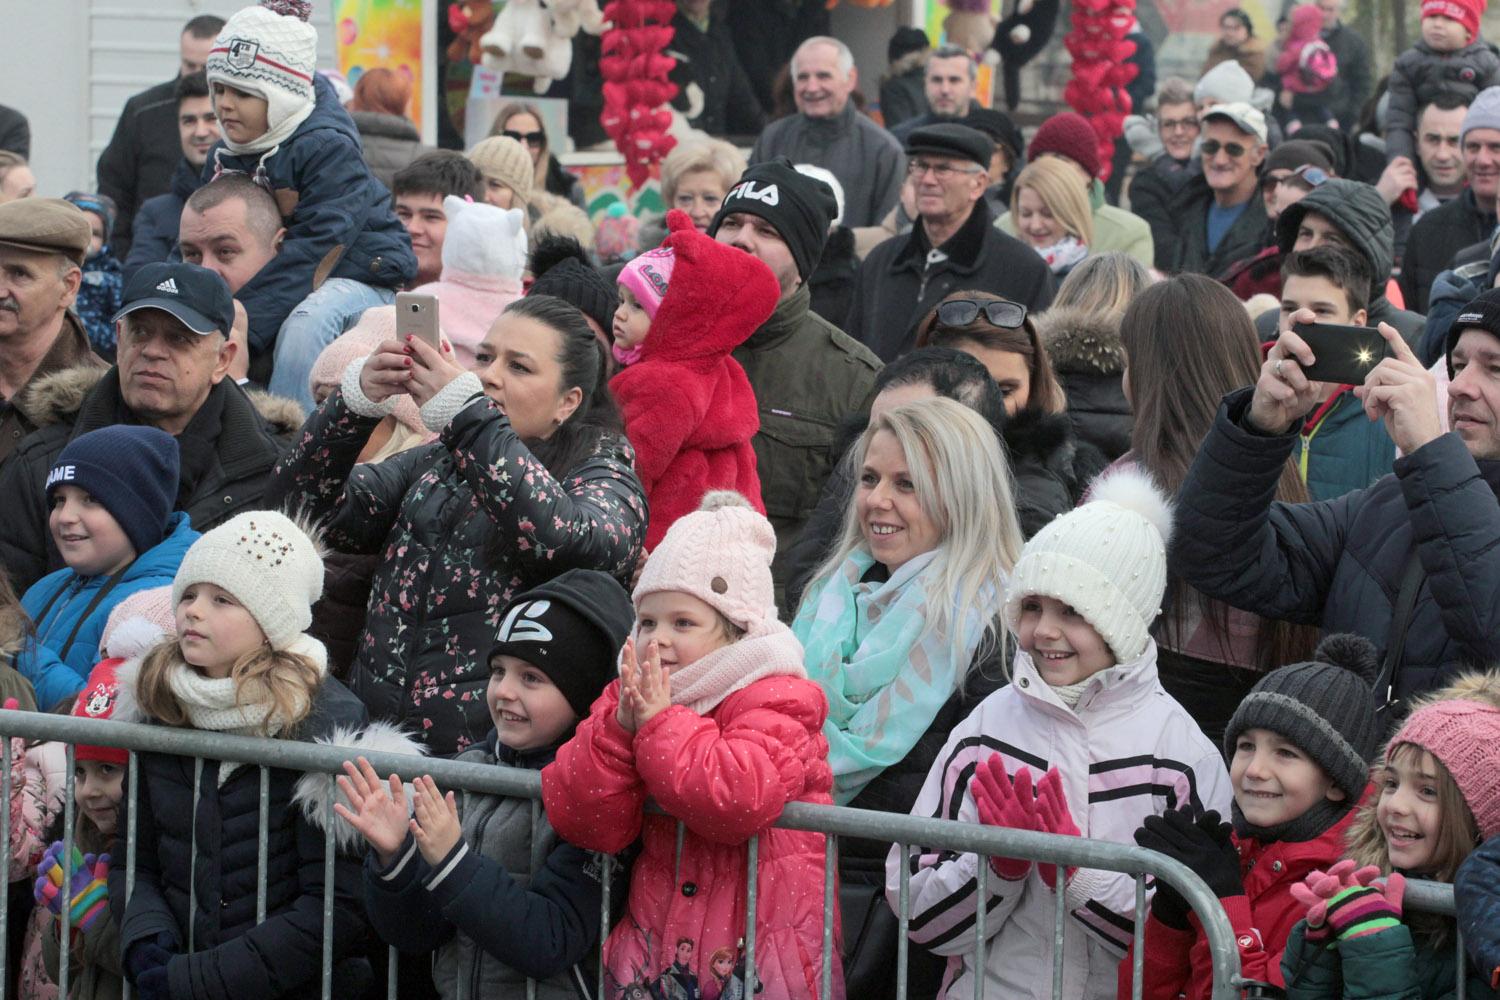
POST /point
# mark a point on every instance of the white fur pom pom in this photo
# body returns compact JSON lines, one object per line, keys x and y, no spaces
{"x":134,"y":637}
{"x":1134,"y":490}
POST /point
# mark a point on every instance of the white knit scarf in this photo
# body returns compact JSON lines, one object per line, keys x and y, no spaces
{"x":768,"y":649}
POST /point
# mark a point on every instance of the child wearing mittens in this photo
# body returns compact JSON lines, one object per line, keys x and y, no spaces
{"x":714,"y":719}
{"x":1436,"y":799}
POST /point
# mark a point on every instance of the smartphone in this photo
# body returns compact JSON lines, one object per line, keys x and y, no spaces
{"x":1344,"y":354}
{"x":417,"y":316}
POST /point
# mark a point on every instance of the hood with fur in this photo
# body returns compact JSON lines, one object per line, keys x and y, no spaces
{"x":1083,"y":342}
{"x":315,"y":789}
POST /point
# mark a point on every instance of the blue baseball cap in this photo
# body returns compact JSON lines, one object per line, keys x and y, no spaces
{"x":195,"y":296}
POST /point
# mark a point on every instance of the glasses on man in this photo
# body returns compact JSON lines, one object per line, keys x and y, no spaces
{"x":1211,"y":147}
{"x":961,"y":312}
{"x":941,"y":171}
{"x":1179,"y":124}
{"x":536,"y":140}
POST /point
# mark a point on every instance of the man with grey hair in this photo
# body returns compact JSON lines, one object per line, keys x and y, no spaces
{"x":949,"y":88}
{"x":829,"y":131}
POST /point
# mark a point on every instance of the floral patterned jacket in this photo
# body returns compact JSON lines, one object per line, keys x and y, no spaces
{"x":463,"y":524}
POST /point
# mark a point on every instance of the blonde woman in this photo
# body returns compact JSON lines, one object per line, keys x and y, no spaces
{"x":1050,"y":208}
{"x":895,"y":618}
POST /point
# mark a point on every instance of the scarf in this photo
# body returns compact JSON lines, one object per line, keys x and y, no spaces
{"x":768,"y":649}
{"x":628,"y":356}
{"x":1309,"y":826}
{"x":1063,"y":254}
{"x":885,"y":671}
{"x":197,"y":445}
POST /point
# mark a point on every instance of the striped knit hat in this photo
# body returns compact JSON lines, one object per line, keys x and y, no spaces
{"x":272,"y":52}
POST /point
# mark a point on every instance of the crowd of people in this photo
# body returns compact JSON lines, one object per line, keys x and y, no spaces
{"x":907,"y":463}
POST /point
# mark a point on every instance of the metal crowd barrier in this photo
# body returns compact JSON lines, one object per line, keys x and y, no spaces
{"x":516,"y":783}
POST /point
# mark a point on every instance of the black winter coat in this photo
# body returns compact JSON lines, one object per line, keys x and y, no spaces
{"x":246,"y":446}
{"x":1246,"y":238}
{"x":15,"y":132}
{"x":833,"y":283}
{"x":1434,"y":241}
{"x":898,"y":285}
{"x":463,"y":525}
{"x":1338,"y":564}
{"x":141,"y":155}
{"x":1347,"y":94}
{"x":1089,"y":361}
{"x":158,"y":222}
{"x":708,"y":59}
{"x":903,"y":94}
{"x":1152,"y":191}
{"x":233,"y":958}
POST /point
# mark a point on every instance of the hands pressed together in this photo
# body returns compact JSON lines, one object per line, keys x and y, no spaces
{"x":378,"y":810}
{"x":1017,"y":804}
{"x":645,"y":688}
{"x":413,"y":367}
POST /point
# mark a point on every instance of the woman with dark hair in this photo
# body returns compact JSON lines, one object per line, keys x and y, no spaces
{"x":388,"y":137}
{"x":1210,"y":655}
{"x":1238,"y":41}
{"x":530,"y":475}
{"x":522,"y":121}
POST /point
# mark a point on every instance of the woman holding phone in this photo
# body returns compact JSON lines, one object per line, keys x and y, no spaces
{"x":530,"y":475}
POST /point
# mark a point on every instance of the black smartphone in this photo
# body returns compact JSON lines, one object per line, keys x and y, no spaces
{"x":1344,"y":354}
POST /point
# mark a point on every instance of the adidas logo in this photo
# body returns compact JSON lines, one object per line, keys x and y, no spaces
{"x":169,"y":286}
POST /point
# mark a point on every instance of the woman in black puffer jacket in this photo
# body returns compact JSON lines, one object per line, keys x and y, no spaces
{"x":530,"y":476}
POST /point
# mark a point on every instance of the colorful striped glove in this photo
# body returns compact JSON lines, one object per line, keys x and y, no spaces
{"x":1365,"y":909}
{"x":87,"y":892}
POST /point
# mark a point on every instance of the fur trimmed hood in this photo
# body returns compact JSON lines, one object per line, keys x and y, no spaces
{"x":1079,"y":341}
{"x":1038,"y":437}
{"x":907,"y":63}
{"x":282,"y":416}
{"x":314,"y":789}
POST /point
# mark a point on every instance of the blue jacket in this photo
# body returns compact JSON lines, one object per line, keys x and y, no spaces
{"x":62,"y":605}
{"x":1476,"y":894}
{"x":333,"y":209}
{"x":1346,"y":450}
{"x":154,"y":234}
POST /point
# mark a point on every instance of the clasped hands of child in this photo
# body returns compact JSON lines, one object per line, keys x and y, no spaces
{"x":1015,"y":803}
{"x":378,"y":810}
{"x":645,"y":688}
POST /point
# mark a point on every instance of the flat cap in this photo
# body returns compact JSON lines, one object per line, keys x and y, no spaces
{"x":46,"y":225}
{"x":952,"y":139}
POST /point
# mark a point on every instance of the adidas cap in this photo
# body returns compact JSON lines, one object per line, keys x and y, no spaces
{"x":195,"y":296}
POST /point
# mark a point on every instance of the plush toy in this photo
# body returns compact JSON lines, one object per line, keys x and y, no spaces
{"x":522,"y":41}
{"x":636,"y":87}
{"x":1020,"y":38}
{"x":571,"y":16}
{"x":971,"y":26}
{"x":470,"y":22}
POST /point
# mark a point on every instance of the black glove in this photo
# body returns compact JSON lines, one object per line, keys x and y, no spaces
{"x":147,"y":956}
{"x":1203,"y":843}
{"x":153,"y":984}
{"x":1167,"y":904}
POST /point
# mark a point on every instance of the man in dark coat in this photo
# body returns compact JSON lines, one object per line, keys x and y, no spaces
{"x":1340,"y":563}
{"x":141,"y":155}
{"x":1221,"y":217}
{"x":948,"y":85}
{"x":955,"y":246}
{"x":705,"y":56}
{"x":157,"y":222}
{"x":1352,"y":87}
{"x":174,"y":354}
{"x":903,"y":93}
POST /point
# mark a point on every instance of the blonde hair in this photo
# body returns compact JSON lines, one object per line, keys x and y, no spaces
{"x":1103,"y":284}
{"x":963,"y":484}
{"x":284,"y":680}
{"x":1062,"y":191}
{"x":701,"y":156}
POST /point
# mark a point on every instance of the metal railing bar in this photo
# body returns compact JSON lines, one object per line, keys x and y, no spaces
{"x":64,"y":891}
{"x":752,"y":861}
{"x":262,"y":861}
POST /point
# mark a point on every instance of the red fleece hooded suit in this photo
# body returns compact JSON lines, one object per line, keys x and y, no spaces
{"x":689,"y":410}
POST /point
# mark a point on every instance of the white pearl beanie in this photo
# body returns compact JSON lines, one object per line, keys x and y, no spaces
{"x":1107,"y":559}
{"x":268,"y":563}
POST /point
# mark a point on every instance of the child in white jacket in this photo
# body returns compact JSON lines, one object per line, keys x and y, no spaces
{"x":1084,"y":741}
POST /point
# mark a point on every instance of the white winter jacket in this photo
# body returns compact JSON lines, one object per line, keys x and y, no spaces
{"x":1129,"y":750}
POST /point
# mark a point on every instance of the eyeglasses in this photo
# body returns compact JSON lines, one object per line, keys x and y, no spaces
{"x":961,"y":312}
{"x":1179,"y":124}
{"x":534,"y":139}
{"x":941,"y":171}
{"x":1270,"y":182}
{"x":1211,"y":147}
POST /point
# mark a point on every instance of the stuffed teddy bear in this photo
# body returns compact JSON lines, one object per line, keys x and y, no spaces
{"x":971,"y":26}
{"x":522,"y":41}
{"x":470,"y":22}
{"x":571,"y":16}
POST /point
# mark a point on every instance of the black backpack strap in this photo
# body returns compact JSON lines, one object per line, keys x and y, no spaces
{"x":1406,"y":600}
{"x":99,"y":596}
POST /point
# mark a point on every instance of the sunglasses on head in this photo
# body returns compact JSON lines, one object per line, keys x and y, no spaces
{"x":1211,"y":147}
{"x":1311,"y":176}
{"x":529,"y":138}
{"x":962,"y":312}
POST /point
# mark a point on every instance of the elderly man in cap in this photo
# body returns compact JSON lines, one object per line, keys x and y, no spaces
{"x":807,"y":375}
{"x":953,"y":247}
{"x":42,"y":245}
{"x":1221,"y":217}
{"x":174,"y":354}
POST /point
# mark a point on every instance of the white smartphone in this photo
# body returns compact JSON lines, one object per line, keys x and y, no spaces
{"x":417,"y":316}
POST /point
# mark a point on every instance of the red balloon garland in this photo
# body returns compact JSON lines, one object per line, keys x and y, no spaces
{"x":636,"y":87}
{"x":1101,"y":70}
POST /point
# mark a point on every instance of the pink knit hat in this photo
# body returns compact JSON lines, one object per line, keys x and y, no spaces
{"x":374,"y":326}
{"x":1464,"y":736}
{"x":647,"y":277}
{"x":139,"y":622}
{"x":721,"y":554}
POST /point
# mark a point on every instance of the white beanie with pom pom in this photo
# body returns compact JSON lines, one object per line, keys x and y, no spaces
{"x":1107,"y":559}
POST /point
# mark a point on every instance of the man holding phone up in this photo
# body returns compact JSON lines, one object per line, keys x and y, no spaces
{"x":1434,"y":523}
{"x":1338,"y":449}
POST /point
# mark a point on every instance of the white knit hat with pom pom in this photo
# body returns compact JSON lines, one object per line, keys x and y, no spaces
{"x":721,"y":554}
{"x":1107,"y":559}
{"x":269,"y":50}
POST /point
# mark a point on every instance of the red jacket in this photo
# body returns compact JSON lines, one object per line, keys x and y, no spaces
{"x":688,"y":406}
{"x":727,"y":775}
{"x":1177,"y":961}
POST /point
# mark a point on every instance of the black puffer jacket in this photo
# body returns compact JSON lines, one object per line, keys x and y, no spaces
{"x":464,"y":524}
{"x":1435,"y":239}
{"x":233,"y":958}
{"x":832,"y":284}
{"x":1089,"y":360}
{"x":1338,"y":564}
{"x":247,"y":444}
{"x":1151,"y":193}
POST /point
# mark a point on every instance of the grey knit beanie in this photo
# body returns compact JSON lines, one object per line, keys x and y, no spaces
{"x":1324,"y":707}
